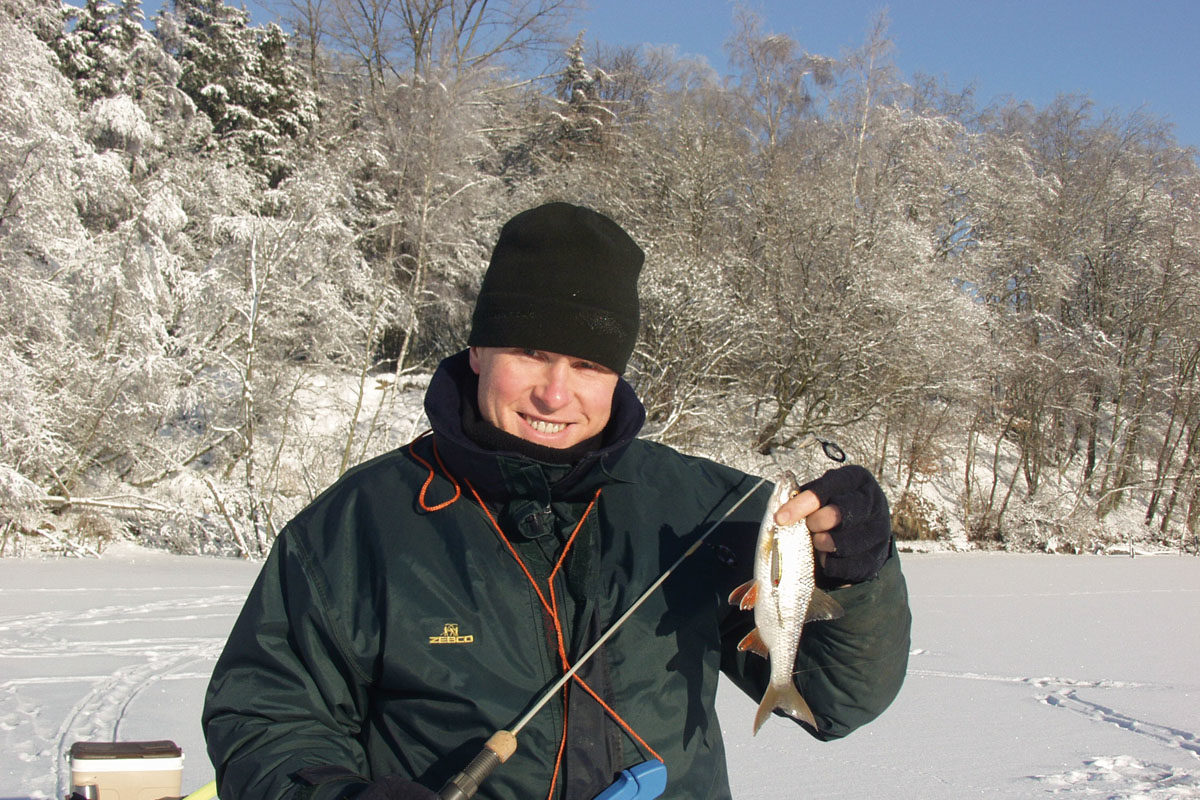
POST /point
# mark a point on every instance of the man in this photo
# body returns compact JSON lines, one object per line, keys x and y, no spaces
{"x":432,"y":595}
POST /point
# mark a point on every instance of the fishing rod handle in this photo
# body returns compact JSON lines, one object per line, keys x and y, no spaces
{"x":495,"y":752}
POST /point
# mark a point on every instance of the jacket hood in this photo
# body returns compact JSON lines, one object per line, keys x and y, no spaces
{"x":500,"y":474}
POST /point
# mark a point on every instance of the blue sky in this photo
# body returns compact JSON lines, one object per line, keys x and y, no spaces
{"x":1125,"y":54}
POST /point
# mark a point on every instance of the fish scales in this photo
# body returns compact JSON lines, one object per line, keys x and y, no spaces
{"x":784,"y":596}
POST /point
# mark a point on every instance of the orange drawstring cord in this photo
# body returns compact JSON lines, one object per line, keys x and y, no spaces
{"x":425,"y":486}
{"x":550,"y":606}
{"x":551,"y":609}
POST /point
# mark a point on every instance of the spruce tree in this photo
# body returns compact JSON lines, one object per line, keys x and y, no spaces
{"x":241,"y":77}
{"x":103,"y":48}
{"x":87,"y":51}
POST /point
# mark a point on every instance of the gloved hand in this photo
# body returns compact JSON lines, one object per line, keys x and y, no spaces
{"x":863,"y":538}
{"x":391,"y":787}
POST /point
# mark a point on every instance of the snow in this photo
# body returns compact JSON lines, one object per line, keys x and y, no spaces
{"x":1030,"y":676}
{"x":119,"y":122}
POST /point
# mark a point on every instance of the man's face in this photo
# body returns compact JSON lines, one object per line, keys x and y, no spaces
{"x":542,"y":397}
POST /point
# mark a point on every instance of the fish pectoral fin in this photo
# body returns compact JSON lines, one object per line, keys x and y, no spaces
{"x":744,"y":596}
{"x":788,"y":700}
{"x":822,"y":606}
{"x":753,"y":642}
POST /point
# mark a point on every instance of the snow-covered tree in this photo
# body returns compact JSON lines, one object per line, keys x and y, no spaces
{"x":831,"y":247}
{"x":241,"y":78}
{"x":583,"y":118}
{"x":102,"y":48}
{"x":86,"y":50}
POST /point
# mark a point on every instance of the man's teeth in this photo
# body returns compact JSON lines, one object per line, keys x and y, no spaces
{"x":541,"y":426}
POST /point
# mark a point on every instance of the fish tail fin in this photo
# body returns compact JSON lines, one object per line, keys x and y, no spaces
{"x":786,"y":698}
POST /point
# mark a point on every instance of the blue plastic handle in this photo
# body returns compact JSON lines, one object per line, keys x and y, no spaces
{"x":645,"y":781}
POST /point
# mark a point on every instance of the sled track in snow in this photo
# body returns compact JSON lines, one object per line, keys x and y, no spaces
{"x":171,"y":610}
{"x":107,"y":672}
{"x":97,"y":716}
{"x":1041,"y":682}
{"x":1065,"y":695}
{"x":1172,"y":737}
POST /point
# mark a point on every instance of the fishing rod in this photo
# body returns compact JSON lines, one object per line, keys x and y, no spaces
{"x":503,"y":743}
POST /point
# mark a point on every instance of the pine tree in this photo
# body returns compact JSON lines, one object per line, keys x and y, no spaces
{"x":287,"y":106}
{"x":582,"y":116}
{"x":84,"y":50}
{"x":241,"y":78}
{"x":215,"y":50}
{"x":100,"y":48}
{"x":130,"y":24}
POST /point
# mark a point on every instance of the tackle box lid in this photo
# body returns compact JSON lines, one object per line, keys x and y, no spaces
{"x":163,"y":748}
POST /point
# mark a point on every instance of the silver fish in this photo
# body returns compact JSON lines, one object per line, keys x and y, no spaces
{"x":784,"y":596}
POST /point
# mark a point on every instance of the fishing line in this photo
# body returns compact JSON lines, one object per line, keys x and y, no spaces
{"x":503,"y":743}
{"x":864,"y":662}
{"x":591,"y":651}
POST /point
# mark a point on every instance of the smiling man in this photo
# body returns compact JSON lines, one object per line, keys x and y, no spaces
{"x":544,"y":398}
{"x":431,"y":595}
{"x":554,"y":325}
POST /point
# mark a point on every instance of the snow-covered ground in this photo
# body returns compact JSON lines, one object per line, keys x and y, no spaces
{"x":1030,"y":676}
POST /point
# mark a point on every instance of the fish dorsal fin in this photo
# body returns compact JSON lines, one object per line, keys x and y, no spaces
{"x":822,"y":606}
{"x":754,"y":643}
{"x":744,"y":596}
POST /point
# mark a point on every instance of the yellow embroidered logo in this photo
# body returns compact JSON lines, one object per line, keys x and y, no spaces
{"x":450,"y":635}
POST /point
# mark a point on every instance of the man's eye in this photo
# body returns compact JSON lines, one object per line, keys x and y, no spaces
{"x":592,"y":366}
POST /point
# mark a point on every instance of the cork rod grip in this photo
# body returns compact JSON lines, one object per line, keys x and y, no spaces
{"x":495,"y":752}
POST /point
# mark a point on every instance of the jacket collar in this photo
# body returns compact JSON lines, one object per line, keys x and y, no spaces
{"x":501,"y":475}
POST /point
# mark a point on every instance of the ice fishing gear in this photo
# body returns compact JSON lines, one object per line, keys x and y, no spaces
{"x":130,"y":770}
{"x":126,"y":770}
{"x":644,"y":781}
{"x":502,"y":744}
{"x":831,"y":449}
{"x":91,"y":791}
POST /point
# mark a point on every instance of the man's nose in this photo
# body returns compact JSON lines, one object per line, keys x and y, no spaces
{"x":552,"y":390}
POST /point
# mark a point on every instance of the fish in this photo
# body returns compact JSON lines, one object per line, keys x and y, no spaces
{"x":784,"y":596}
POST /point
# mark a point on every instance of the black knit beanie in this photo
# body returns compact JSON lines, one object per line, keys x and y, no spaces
{"x":562,"y":278}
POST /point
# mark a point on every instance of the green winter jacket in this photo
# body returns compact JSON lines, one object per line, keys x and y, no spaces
{"x":392,"y":631}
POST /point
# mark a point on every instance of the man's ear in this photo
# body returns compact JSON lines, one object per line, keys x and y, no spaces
{"x":473,"y":355}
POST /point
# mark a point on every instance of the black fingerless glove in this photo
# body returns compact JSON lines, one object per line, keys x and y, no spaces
{"x":864,"y":537}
